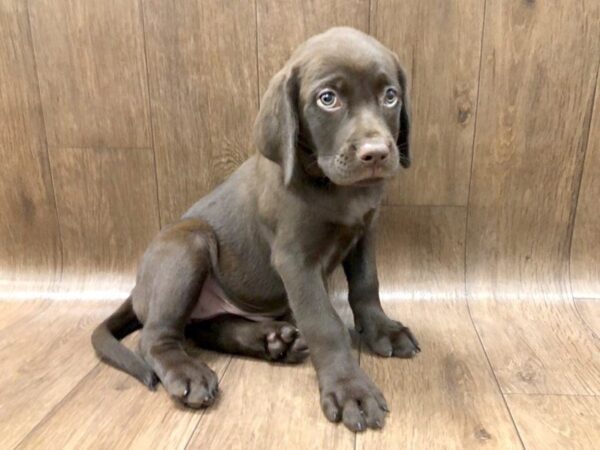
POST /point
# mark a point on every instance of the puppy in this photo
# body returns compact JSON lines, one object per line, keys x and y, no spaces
{"x":248,"y":263}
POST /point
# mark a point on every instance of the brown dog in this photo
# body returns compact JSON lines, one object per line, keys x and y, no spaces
{"x":250,"y":260}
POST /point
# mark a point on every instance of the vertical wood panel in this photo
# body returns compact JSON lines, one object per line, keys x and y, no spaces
{"x":585,"y":248}
{"x":107,"y":211}
{"x":283,"y":25}
{"x":421,"y":253}
{"x":537,"y":83}
{"x":29,"y":238}
{"x":202,"y":64}
{"x":92,"y":72}
{"x":439,"y":44}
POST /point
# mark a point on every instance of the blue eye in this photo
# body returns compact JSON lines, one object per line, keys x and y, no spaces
{"x":328,"y":99}
{"x":390,"y":98}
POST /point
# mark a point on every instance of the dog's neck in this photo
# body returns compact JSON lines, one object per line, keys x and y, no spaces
{"x":308,"y":161}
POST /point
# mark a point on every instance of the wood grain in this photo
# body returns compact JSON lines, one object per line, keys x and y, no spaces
{"x":447,"y":396}
{"x":535,"y":98}
{"x":536,"y":94}
{"x":538,"y":348}
{"x":421,"y":253}
{"x":108,"y":215}
{"x":29,"y":238}
{"x":565,"y":422}
{"x":271,"y":403}
{"x":14,"y":311}
{"x":44,"y":356}
{"x":439,"y":46}
{"x":202,"y":68}
{"x":283,"y":25}
{"x":92,"y":72}
{"x":109,"y":409}
{"x":263,"y":404}
{"x":585,"y":248}
{"x":589,"y":310}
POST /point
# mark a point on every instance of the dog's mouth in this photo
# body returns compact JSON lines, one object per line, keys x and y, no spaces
{"x":340,"y":172}
{"x":375,"y":175}
{"x":369,"y":181}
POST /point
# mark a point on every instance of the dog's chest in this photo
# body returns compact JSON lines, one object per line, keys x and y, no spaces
{"x":338,"y":247}
{"x":342,"y":238}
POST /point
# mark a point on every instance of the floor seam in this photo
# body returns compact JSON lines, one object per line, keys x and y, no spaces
{"x":549,"y":394}
{"x":150,"y":116}
{"x":577,"y":193}
{"x":222,"y":377}
{"x":466,"y":236}
{"x":56,"y":278}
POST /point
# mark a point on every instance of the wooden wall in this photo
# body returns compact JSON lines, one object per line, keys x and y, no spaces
{"x":116,"y":115}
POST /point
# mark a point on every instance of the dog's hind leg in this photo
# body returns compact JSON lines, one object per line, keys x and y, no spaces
{"x":272,"y":340}
{"x":169,"y":282}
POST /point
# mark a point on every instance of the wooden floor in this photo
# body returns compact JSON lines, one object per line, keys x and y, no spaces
{"x":492,"y":374}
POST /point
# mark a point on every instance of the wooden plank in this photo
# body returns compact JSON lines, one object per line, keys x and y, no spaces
{"x":202,"y":69}
{"x":283,"y":25}
{"x":12,"y":312}
{"x":110,"y":409}
{"x":552,"y":421}
{"x":538,"y":348}
{"x":421,"y":253}
{"x":585,"y":248}
{"x":29,"y":239}
{"x":44,"y":356}
{"x":447,"y":396}
{"x":439,"y":45}
{"x":522,"y":194}
{"x":527,"y":164}
{"x":262,"y":404}
{"x":92,"y":72}
{"x":108,"y":215}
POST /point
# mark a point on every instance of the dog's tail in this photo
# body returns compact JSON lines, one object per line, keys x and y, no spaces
{"x":105,"y":340}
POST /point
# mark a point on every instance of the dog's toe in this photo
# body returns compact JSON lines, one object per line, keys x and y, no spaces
{"x":192,"y":385}
{"x":284,"y":343}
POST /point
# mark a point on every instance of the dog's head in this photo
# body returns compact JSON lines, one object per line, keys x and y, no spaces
{"x":338,"y":109}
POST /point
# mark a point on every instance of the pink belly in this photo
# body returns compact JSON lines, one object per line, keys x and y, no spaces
{"x":213,"y":302}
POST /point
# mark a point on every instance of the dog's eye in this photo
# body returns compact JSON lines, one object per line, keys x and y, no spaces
{"x":328,"y":100}
{"x":390,"y":98}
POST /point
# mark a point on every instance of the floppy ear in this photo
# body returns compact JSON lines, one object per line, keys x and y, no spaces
{"x":276,"y":126}
{"x":403,"y":141}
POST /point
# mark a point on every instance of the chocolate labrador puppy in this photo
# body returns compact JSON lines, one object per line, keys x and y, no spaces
{"x":248,"y":262}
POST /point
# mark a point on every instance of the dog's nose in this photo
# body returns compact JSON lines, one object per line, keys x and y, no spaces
{"x":373,"y":151}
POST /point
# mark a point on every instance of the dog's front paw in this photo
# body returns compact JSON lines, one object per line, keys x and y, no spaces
{"x":191,"y":383}
{"x":353,"y":399}
{"x":387,"y":338}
